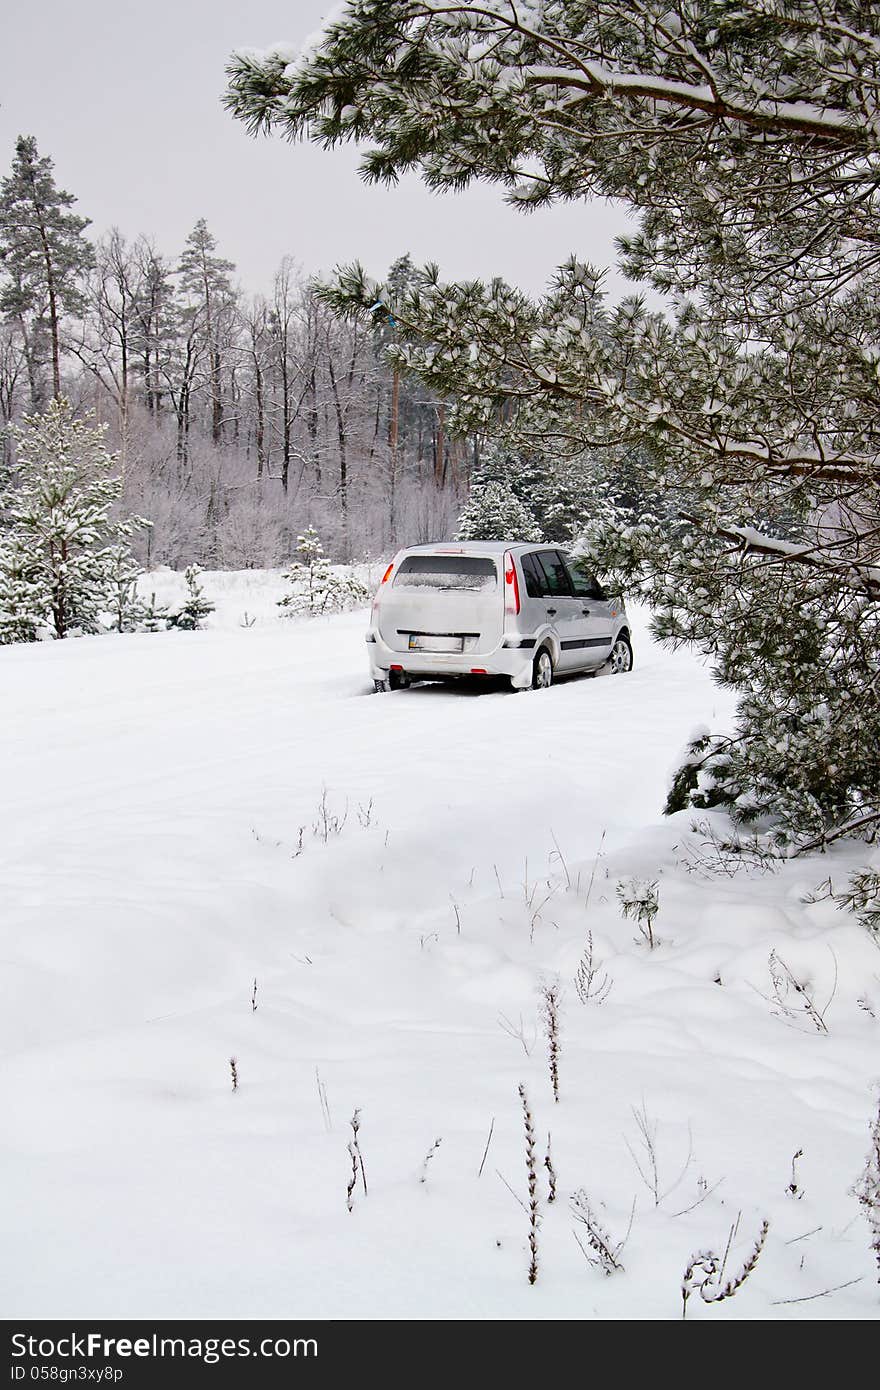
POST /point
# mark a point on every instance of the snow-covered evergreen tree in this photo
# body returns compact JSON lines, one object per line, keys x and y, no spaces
{"x":195,"y":608}
{"x":60,"y":543}
{"x":493,"y":512}
{"x":746,"y":137}
{"x":562,"y":493}
{"x":126,"y":608}
{"x":20,"y":607}
{"x":155,"y":616}
{"x":314,"y":587}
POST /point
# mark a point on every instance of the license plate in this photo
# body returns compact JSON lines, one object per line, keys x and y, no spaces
{"x":431,"y":642}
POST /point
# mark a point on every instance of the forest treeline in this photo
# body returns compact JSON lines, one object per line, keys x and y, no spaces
{"x":239,"y":419}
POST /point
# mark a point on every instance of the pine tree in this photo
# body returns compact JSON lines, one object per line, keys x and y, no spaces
{"x":205,"y":278}
{"x":155,"y":616}
{"x":44,"y":256}
{"x":192,"y":613}
{"x":60,"y":544}
{"x":493,"y":512}
{"x":128,"y":611}
{"x":314,"y":588}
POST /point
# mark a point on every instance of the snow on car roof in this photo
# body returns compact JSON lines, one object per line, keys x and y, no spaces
{"x":468,"y":547}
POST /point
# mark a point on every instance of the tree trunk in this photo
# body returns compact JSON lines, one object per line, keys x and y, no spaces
{"x":285,"y":422}
{"x":343,"y":456}
{"x":260,"y":421}
{"x":440,"y":446}
{"x":312,"y":425}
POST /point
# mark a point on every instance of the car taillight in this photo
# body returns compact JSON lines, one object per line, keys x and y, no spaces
{"x":511,"y":585}
{"x":385,"y":577}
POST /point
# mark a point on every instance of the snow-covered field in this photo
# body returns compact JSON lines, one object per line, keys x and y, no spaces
{"x":163,"y":847}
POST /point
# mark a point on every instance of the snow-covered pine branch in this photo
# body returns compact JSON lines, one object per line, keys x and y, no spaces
{"x":762,"y":117}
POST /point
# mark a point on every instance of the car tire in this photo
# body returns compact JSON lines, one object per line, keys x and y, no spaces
{"x":542,"y":670}
{"x":395,"y":680}
{"x":621,"y":659}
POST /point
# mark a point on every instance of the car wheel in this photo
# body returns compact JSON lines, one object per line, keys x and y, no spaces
{"x":542,"y":670}
{"x":621,"y":659}
{"x":381,"y":687}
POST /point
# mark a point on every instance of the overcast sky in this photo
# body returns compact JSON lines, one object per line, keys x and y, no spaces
{"x":126,"y":99}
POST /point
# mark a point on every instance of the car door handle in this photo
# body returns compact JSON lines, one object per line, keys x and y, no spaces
{"x":588,"y":611}
{"x":551,"y":612}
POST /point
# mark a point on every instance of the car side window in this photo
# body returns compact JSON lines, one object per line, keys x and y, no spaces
{"x":536,"y":584}
{"x":584,"y":584}
{"x":557,"y":577}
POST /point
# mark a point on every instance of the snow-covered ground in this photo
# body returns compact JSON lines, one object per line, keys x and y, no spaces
{"x":163,"y":846}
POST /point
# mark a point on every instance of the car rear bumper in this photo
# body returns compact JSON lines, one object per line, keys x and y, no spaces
{"x":513,"y":661}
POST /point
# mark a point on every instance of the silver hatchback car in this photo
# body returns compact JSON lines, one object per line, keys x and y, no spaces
{"x":492,"y":608}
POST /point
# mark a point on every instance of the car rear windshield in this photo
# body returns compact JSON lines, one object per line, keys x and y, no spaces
{"x":456,"y":572}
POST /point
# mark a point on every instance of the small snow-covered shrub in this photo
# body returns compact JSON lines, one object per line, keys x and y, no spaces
{"x":314,"y":587}
{"x":640,"y":900}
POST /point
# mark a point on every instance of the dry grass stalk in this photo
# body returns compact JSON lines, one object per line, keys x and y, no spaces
{"x":794,"y":1189}
{"x":328,"y":822}
{"x":355,"y":1123}
{"x":594,"y":868}
{"x":428,"y":1156}
{"x":600,"y":1251}
{"x":325,"y":1104}
{"x":591,"y":985}
{"x":518,"y":1031}
{"x":233,"y":1068}
{"x":648,"y":1163}
{"x":551,"y":1172}
{"x":787,"y":990}
{"x":486,"y":1150}
{"x":352,"y":1181}
{"x":532,"y":1172}
{"x":560,"y":859}
{"x":550,"y":997}
{"x":705,"y":1272}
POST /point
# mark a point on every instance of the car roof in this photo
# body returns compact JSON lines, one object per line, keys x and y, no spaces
{"x":478,"y":547}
